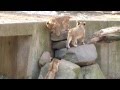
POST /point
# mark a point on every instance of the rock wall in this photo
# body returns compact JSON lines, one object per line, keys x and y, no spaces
{"x":108,"y":53}
{"x":76,"y":62}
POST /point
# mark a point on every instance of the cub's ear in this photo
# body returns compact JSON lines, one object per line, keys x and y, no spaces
{"x":84,"y":23}
{"x":78,"y":23}
{"x":47,"y":23}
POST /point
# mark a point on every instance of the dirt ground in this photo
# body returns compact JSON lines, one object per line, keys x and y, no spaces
{"x":13,"y":17}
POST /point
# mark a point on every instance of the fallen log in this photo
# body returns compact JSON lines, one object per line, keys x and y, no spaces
{"x":109,"y":30}
{"x":106,"y":39}
{"x":106,"y":35}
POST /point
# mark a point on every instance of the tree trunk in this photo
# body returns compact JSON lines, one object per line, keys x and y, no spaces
{"x":106,"y":35}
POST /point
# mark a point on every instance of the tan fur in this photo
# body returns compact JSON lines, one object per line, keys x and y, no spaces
{"x":53,"y":69}
{"x":57,"y":24}
{"x":75,"y":34}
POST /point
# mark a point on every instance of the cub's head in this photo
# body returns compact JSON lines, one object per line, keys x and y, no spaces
{"x":80,"y":23}
{"x":49,"y":25}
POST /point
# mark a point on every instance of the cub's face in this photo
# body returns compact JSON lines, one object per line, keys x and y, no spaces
{"x":50,"y":24}
{"x":81,"y":24}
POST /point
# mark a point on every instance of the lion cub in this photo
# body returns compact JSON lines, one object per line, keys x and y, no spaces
{"x":57,"y":24}
{"x":53,"y":69}
{"x":76,"y":33}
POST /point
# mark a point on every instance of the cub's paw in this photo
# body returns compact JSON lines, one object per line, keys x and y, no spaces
{"x":75,"y":45}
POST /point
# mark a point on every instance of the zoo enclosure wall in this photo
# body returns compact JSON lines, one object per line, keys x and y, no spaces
{"x":22,"y":44}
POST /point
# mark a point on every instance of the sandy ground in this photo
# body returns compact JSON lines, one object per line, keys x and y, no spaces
{"x":22,"y":18}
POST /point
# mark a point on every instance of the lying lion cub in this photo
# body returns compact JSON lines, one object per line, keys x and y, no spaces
{"x":57,"y":24}
{"x":53,"y":69}
{"x":76,"y":33}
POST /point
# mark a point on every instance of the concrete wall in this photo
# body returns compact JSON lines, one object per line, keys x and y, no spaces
{"x":21,"y":45}
{"x":25,"y":43}
{"x":14,"y":53}
{"x":40,"y":42}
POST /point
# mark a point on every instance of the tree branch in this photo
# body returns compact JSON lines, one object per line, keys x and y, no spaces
{"x":106,"y":35}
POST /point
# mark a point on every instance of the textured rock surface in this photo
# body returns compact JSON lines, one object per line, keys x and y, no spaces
{"x":59,"y":45}
{"x":67,"y":70}
{"x":81,"y":55}
{"x":46,"y":57}
{"x":63,"y":36}
{"x":60,"y":53}
{"x":92,"y":72}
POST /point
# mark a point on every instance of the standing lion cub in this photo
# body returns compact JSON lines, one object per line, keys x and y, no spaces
{"x":75,"y":34}
{"x":57,"y":24}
